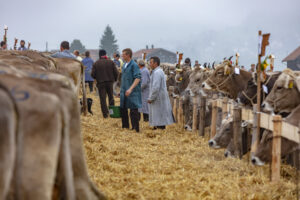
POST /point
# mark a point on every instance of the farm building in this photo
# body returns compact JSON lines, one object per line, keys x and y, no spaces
{"x":163,"y":54}
{"x":293,"y":59}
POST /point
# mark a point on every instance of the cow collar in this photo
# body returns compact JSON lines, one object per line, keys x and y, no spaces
{"x":220,"y":84}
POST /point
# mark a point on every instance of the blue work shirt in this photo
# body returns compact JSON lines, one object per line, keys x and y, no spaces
{"x":88,"y":63}
{"x":63,"y":54}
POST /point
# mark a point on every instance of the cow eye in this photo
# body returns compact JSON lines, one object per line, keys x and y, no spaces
{"x":279,"y":88}
{"x":220,"y":73}
{"x":197,"y":80}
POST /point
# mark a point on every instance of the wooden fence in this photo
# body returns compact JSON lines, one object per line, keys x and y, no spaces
{"x":273,"y":123}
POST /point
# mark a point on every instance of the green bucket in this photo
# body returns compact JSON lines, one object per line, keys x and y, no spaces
{"x":114,"y":111}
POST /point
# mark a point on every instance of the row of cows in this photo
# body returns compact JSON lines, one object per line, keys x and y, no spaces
{"x":280,"y":95}
{"x":41,"y":147}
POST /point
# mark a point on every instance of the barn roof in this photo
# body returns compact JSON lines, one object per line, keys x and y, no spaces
{"x":292,"y":56}
{"x":139,"y":53}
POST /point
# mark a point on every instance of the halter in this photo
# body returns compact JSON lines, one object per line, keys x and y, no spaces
{"x":220,"y":84}
{"x":252,"y":98}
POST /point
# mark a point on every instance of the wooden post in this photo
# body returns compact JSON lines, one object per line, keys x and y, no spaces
{"x":213,"y":129}
{"x":276,"y":148}
{"x":202,"y":115}
{"x":181,"y":117}
{"x":175,"y":106}
{"x":195,"y":112}
{"x":237,"y":130}
{"x":258,"y":94}
{"x":255,"y":136}
{"x":224,"y":107}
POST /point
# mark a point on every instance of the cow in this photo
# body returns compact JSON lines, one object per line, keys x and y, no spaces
{"x":182,"y":80}
{"x":248,"y":97}
{"x":263,"y":152}
{"x":9,"y":132}
{"x":224,"y":134}
{"x":227,"y":80}
{"x":84,"y":187}
{"x":285,"y":95}
{"x":38,"y":149}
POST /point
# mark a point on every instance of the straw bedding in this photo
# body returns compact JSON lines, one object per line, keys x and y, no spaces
{"x":171,"y":164}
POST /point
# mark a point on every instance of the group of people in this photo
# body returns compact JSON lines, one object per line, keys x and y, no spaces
{"x":3,"y":46}
{"x":141,"y":94}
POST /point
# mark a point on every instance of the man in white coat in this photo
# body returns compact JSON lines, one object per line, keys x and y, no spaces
{"x":160,"y":110}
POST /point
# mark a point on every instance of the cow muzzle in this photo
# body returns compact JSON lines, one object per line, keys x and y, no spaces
{"x":206,"y":86}
{"x":212,"y":143}
{"x":256,"y":161}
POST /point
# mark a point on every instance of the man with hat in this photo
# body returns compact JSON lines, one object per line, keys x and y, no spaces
{"x":106,"y":73}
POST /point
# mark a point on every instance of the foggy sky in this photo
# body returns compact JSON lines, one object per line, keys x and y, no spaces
{"x":207,"y":30}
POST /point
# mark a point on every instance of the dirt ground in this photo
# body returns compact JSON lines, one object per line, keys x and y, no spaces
{"x":171,"y":164}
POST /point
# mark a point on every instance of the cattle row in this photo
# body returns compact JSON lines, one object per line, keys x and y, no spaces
{"x":42,"y":155}
{"x":280,"y":95}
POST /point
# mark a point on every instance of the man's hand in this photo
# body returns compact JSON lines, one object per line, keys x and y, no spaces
{"x":128,"y":92}
{"x":149,"y":101}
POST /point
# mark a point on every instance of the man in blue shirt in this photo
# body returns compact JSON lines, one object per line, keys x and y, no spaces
{"x":88,"y":63}
{"x":22,"y":46}
{"x":64,"y":51}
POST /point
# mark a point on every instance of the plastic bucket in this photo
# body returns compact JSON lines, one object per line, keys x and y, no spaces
{"x":114,"y":111}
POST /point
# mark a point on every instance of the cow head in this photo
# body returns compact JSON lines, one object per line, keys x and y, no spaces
{"x":264,"y":149}
{"x":225,"y":80}
{"x":285,"y":95}
{"x":248,"y":96}
{"x":196,"y":79}
{"x":224,"y":134}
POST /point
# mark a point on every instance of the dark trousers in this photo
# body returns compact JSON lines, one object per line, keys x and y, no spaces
{"x":134,"y":118}
{"x":145,"y":117}
{"x":106,"y":88}
{"x":90,"y":85}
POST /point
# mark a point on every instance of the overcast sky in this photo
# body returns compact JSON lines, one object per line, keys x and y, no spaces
{"x":206,"y":30}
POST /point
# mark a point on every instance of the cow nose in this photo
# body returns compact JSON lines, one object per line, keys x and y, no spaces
{"x":210,"y":143}
{"x":203,"y":85}
{"x":226,"y":154}
{"x":253,"y":160}
{"x":263,"y":105}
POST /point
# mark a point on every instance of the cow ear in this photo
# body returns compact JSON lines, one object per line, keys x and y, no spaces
{"x":227,"y":70}
{"x":289,"y":83}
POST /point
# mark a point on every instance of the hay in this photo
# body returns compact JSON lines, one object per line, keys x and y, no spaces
{"x":171,"y":164}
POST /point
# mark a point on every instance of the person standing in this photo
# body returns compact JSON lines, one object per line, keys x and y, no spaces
{"x":88,"y":63}
{"x":105,"y":73}
{"x":77,"y":55}
{"x":145,"y":81}
{"x":130,"y":93}
{"x":3,"y":45}
{"x":64,"y":51}
{"x":22,"y":46}
{"x":160,"y":110}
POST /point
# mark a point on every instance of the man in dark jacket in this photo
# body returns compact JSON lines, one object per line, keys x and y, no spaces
{"x":105,"y":73}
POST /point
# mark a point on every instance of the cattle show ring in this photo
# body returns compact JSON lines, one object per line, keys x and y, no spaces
{"x":235,"y":136}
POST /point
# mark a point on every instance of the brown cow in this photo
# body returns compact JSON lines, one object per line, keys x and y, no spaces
{"x":248,"y":96}
{"x":85,"y":189}
{"x":38,"y":150}
{"x":263,"y":153}
{"x":285,"y":95}
{"x":224,"y":79}
{"x":9,"y":130}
